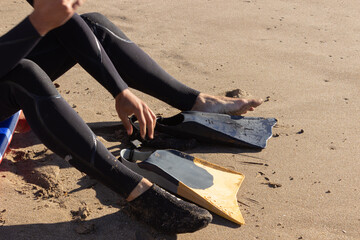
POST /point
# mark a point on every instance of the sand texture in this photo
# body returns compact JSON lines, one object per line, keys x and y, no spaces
{"x":302,"y":57}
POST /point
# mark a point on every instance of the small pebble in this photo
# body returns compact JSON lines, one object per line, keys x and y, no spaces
{"x":274,"y":185}
{"x":301,"y":131}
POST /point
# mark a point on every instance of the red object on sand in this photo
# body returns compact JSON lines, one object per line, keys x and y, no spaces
{"x":22,"y":126}
{"x":17,"y":123}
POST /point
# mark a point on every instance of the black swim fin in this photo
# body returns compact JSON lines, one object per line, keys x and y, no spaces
{"x":206,"y":184}
{"x":219,"y":128}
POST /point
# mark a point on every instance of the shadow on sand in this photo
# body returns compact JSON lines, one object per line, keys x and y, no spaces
{"x":112,"y":226}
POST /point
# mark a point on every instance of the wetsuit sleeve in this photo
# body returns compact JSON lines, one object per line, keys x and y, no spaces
{"x":80,"y":42}
{"x":16,"y":44}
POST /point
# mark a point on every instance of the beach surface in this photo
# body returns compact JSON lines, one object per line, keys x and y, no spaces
{"x":301,"y":57}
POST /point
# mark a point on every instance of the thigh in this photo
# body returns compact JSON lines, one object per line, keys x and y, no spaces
{"x":52,"y":57}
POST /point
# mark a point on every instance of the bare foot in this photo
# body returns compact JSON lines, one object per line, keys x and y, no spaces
{"x":227,"y":105}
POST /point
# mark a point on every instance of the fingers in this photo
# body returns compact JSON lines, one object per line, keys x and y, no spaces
{"x":150,"y":123}
{"x":127,"y":124}
{"x":127,"y":104}
{"x":147,"y":122}
{"x":142,"y":124}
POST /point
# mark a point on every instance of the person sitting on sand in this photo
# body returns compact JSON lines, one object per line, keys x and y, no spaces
{"x":51,"y":40}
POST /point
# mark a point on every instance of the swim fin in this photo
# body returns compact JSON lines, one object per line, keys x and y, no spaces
{"x":219,"y":128}
{"x":206,"y":184}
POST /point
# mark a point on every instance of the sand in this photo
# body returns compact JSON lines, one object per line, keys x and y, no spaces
{"x":301,"y":56}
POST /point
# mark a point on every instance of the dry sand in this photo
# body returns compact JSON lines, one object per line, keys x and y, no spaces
{"x":302,"y":56}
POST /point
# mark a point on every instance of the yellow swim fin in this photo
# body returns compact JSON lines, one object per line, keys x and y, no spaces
{"x":206,"y":184}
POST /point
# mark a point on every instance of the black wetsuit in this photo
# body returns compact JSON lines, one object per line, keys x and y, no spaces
{"x":29,"y":64}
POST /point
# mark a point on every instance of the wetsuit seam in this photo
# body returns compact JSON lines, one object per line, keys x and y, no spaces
{"x":93,"y":150}
{"x":107,"y":30}
{"x":98,"y":48}
{"x":112,"y":33}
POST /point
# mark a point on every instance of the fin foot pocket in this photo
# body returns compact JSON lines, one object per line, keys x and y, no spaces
{"x":167,"y":213}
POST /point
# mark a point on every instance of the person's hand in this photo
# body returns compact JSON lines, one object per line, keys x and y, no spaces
{"x":50,"y":14}
{"x":126,"y":104}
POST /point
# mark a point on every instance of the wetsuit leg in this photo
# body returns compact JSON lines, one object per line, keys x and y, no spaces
{"x":110,"y":58}
{"x":80,"y":45}
{"x":27,"y":87}
{"x":51,"y":56}
{"x":136,"y":67}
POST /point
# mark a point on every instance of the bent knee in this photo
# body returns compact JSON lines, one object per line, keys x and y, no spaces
{"x":102,"y":25}
{"x":26,"y":65}
{"x":31,"y":78}
{"x":95,"y":17}
{"x":28,"y":68}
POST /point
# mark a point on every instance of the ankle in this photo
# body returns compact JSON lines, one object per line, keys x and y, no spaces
{"x":200,"y":102}
{"x":140,"y":188}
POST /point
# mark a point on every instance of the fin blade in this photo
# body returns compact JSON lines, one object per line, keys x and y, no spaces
{"x":219,"y":198}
